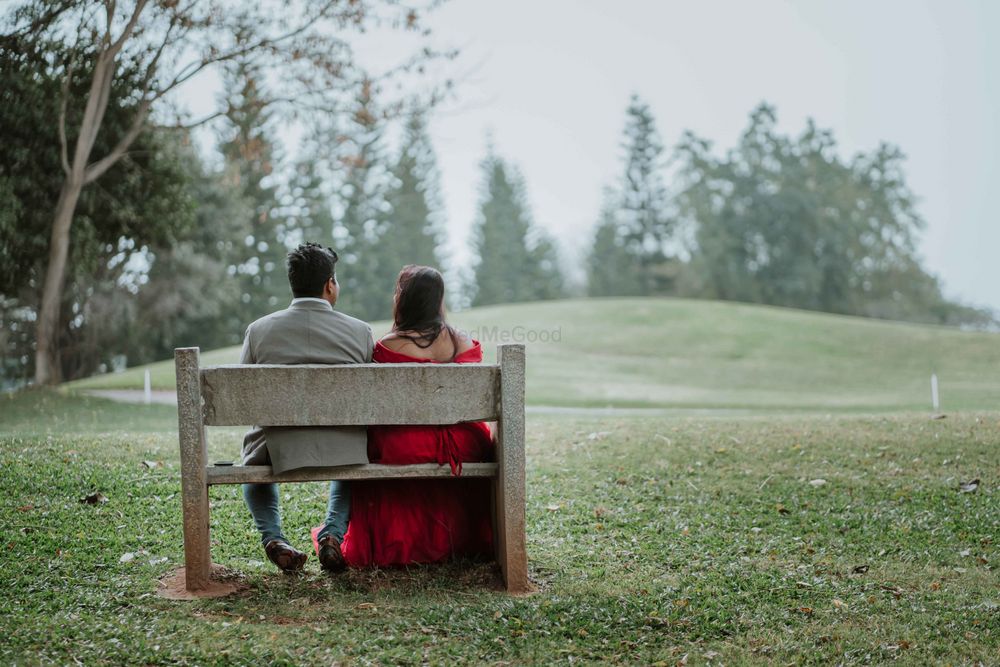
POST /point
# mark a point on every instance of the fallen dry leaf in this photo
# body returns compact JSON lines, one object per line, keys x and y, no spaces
{"x":895,"y":590}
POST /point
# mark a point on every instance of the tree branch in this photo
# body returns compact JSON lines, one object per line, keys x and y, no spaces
{"x":63,"y":147}
{"x":109,"y":13}
{"x":96,"y":169}
{"x":106,"y":71}
{"x":42,"y":21}
{"x":195,"y":123}
{"x":129,"y":27}
{"x":194,"y":67}
{"x":151,"y":67}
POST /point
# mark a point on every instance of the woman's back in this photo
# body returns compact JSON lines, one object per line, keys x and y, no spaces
{"x":448,"y":345}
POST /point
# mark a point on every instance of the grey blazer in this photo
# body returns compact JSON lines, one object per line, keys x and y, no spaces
{"x":307,"y":332}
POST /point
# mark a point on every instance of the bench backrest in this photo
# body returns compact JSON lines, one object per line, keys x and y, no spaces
{"x":350,"y":395}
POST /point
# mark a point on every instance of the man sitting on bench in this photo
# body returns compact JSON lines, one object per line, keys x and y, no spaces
{"x":309,"y":331}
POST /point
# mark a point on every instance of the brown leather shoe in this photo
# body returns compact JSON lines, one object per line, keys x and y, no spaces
{"x":285,"y":556}
{"x":331,"y":558}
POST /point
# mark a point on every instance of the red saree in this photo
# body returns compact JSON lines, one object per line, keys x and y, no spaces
{"x":396,"y":522}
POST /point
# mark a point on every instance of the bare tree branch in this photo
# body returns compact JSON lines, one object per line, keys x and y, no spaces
{"x":196,"y":123}
{"x":196,"y":66}
{"x":97,"y":102}
{"x":63,"y":147}
{"x":151,"y":67}
{"x":129,"y":27}
{"x":96,"y":169}
{"x":109,"y":18}
{"x":51,"y":14}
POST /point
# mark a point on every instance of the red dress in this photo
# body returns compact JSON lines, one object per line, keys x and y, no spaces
{"x":396,"y":522}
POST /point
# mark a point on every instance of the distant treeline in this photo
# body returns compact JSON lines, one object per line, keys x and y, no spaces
{"x":776,"y":219}
{"x":173,"y":248}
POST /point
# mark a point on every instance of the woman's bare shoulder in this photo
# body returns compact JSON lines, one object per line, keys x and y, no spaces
{"x":394,"y":342}
{"x":463,"y":342}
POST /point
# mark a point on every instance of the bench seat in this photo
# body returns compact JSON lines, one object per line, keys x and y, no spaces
{"x":263,"y":474}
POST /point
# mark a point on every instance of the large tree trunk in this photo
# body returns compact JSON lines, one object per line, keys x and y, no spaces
{"x":48,"y":369}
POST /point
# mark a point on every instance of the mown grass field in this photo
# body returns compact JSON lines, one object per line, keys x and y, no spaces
{"x":651,"y":541}
{"x":700,"y":354}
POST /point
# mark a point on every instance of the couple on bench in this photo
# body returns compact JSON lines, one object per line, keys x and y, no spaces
{"x":378,"y":522}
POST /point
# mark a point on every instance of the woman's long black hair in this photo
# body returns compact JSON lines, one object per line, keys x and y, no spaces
{"x":419,"y":307}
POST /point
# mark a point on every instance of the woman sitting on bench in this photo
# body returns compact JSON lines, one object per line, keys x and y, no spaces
{"x":396,"y":522}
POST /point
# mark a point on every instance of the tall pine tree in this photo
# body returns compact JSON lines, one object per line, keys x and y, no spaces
{"x":411,"y":232}
{"x":641,"y":221}
{"x":248,"y":149}
{"x":610,"y":269}
{"x":546,"y":275}
{"x":363,"y":183}
{"x":511,"y":268}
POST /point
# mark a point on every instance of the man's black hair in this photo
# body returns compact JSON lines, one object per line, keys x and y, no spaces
{"x":309,"y":267}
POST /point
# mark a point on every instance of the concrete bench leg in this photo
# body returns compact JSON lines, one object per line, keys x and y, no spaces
{"x":194,"y":478}
{"x":509,"y":487}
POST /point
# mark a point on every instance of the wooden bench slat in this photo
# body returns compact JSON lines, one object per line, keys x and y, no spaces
{"x":350,"y":395}
{"x":260,"y":474}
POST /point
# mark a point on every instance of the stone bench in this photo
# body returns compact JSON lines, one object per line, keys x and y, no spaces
{"x":352,"y":395}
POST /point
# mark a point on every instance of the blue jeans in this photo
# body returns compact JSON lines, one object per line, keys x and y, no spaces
{"x":262,"y":499}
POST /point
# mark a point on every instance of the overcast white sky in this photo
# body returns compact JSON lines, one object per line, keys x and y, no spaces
{"x":551,"y":80}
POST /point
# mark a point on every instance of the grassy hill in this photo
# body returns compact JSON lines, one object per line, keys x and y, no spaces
{"x":675,"y":353}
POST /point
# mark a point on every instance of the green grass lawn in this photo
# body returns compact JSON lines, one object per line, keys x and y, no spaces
{"x":651,"y":541}
{"x":708,"y":354}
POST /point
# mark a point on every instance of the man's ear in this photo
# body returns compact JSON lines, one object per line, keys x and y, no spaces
{"x":331,"y":288}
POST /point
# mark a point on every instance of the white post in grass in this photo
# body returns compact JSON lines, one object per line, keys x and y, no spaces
{"x":148,"y":393}
{"x":934,"y":393}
